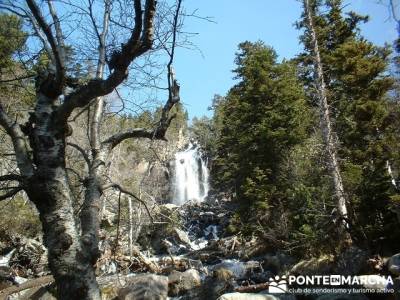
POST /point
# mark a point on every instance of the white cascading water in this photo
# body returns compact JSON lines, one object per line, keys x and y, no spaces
{"x":190,"y":178}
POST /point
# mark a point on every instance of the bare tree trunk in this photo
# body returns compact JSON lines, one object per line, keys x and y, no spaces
{"x":390,"y":172}
{"x":73,"y":242}
{"x":130,"y":227}
{"x":326,"y":127}
{"x":90,"y":215}
{"x":69,"y":261}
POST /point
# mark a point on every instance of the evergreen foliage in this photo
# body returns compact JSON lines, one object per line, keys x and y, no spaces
{"x":269,"y":156}
{"x":358,"y":86}
{"x":263,"y":117}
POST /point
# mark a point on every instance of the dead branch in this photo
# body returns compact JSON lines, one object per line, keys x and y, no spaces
{"x":119,"y":63}
{"x":4,"y":294}
{"x":18,"y":140}
{"x":82,"y":151}
{"x":151,"y":266}
{"x":11,"y":177}
{"x":55,"y":48}
{"x":173,"y":98}
{"x":127,"y":192}
{"x":11,"y":193}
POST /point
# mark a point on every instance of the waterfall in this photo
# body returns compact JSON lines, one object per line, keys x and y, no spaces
{"x":190,"y":176}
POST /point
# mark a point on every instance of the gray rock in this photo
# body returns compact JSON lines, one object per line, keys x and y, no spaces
{"x":316,"y":265}
{"x":181,"y":282}
{"x":278,"y":263}
{"x":5,"y":260}
{"x":394,"y":264}
{"x":220,"y":283}
{"x":351,"y":262}
{"x":170,"y":206}
{"x":145,"y":287}
{"x":237,"y":268}
{"x":181,"y":236}
{"x":247,"y":296}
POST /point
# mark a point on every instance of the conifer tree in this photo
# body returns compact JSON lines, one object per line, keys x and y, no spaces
{"x":357,"y":89}
{"x":262,"y":118}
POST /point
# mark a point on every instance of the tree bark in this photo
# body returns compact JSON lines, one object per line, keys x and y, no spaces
{"x":326,"y":127}
{"x":72,"y":242}
{"x":69,"y":261}
{"x":390,"y":172}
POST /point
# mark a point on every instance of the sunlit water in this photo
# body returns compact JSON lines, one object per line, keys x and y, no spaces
{"x":190,"y":178}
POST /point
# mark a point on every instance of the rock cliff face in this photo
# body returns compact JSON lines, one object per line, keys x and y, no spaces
{"x":146,"y":169}
{"x":152,"y":173}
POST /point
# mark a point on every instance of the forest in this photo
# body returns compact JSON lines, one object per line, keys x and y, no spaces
{"x":289,"y":188}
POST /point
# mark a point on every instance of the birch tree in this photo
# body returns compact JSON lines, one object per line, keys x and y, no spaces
{"x":40,"y":144}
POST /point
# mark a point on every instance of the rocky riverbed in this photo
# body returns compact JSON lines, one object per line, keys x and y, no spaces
{"x":189,"y":255}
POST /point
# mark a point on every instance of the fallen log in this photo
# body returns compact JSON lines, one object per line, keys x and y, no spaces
{"x":151,"y":266}
{"x":26,"y":285}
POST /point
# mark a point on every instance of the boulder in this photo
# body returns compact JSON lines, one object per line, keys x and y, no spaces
{"x":222,"y":281}
{"x":394,"y":264}
{"x":145,"y":287}
{"x":352,"y":261}
{"x":170,"y":206}
{"x":277,"y":263}
{"x":181,"y":282}
{"x":5,"y":259}
{"x":247,"y":296}
{"x":237,"y":268}
{"x":314,"y":266}
{"x":181,"y":236}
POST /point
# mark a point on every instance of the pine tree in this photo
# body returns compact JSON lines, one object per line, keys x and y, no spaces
{"x":357,"y":87}
{"x":262,"y":118}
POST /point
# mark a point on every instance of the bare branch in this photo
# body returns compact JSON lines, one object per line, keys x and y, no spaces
{"x":173,"y":86}
{"x":41,"y":281}
{"x":118,"y":138}
{"x":11,"y":177}
{"x":119,"y":64}
{"x":17,"y":78}
{"x":18,"y":140}
{"x":13,"y":10}
{"x":82,"y":151}
{"x":148,"y":29}
{"x":76,"y":174}
{"x":173,"y":98}
{"x":138,"y":20}
{"x":42,"y":37}
{"x":11,"y":193}
{"x":91,"y":16}
{"x":59,"y":34}
{"x":172,"y":52}
{"x":99,"y":103}
{"x":127,"y":192}
{"x":60,"y":71}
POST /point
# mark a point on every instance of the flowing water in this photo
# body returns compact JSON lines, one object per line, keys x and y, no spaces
{"x":190,"y":178}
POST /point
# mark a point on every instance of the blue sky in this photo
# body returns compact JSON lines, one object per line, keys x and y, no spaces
{"x":204,"y":74}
